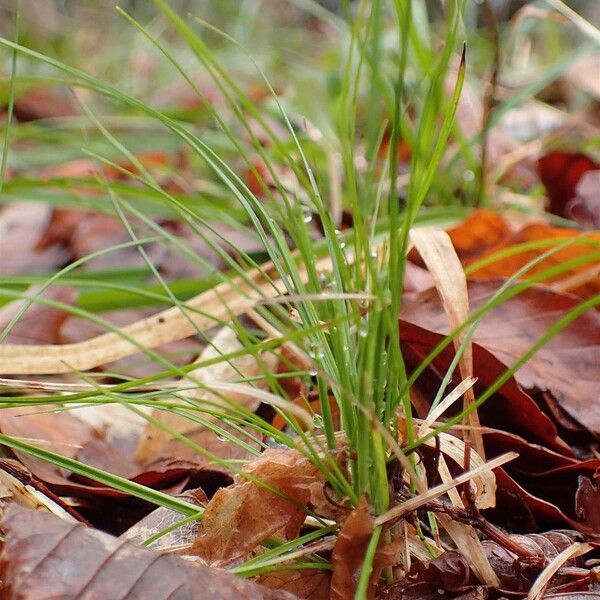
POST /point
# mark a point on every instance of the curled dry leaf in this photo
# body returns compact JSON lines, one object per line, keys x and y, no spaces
{"x":45,"y":557}
{"x":18,"y":486}
{"x":239,"y":518}
{"x":443,"y":264}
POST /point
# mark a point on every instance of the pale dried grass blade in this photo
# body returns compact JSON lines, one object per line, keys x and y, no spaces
{"x":410,"y":505}
{"x":201,"y":312}
{"x":537,"y":589}
{"x":439,"y":255}
{"x":445,"y":404}
{"x":485,"y":483}
{"x":464,"y":536}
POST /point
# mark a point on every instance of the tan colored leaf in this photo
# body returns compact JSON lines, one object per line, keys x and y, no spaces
{"x":240,"y":517}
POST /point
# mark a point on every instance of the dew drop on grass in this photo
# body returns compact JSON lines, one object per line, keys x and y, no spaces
{"x":313,"y":372}
{"x":316,"y":351}
{"x":318,"y":421}
{"x":363,"y":329}
{"x":220,"y":437}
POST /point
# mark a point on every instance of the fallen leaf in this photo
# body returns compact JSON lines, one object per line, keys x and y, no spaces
{"x":307,"y":584}
{"x":240,"y":517}
{"x":560,"y":172}
{"x":39,"y":323}
{"x":349,"y":553}
{"x":484,"y":234}
{"x":566,"y":367}
{"x":585,"y":207}
{"x":47,"y":557}
{"x":22,"y":227}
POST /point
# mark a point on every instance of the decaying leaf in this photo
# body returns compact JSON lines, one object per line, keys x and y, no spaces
{"x":307,"y":584}
{"x":45,"y":557}
{"x":484,"y":233}
{"x":240,"y":517}
{"x":349,"y":553}
{"x":179,"y":539}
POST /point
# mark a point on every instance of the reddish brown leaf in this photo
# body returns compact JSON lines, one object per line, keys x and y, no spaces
{"x":45,"y":102}
{"x":566,"y":367}
{"x":585,"y":207}
{"x":560,"y":172}
{"x":45,"y":557}
{"x":349,"y":553}
{"x":587,"y":501}
{"x":240,"y":517}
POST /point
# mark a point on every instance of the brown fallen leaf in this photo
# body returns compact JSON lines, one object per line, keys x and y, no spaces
{"x":239,"y":518}
{"x":349,"y":553}
{"x":560,"y":172}
{"x":566,"y":367}
{"x":45,"y":557}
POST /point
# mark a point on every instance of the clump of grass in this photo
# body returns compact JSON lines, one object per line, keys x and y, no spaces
{"x":391,"y":85}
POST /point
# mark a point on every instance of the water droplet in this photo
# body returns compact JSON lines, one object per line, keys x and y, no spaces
{"x":316,"y":351}
{"x":468,"y":175}
{"x":318,"y":421}
{"x":220,"y":437}
{"x":363,"y":329}
{"x":313,"y":372}
{"x":308,"y":217}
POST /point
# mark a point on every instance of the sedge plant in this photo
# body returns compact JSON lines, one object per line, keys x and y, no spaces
{"x":397,"y":80}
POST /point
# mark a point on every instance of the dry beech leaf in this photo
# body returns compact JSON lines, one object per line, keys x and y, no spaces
{"x":239,"y":518}
{"x":349,"y":553}
{"x":45,"y":557}
{"x":566,"y":367}
{"x":155,"y":439}
{"x":442,"y":262}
